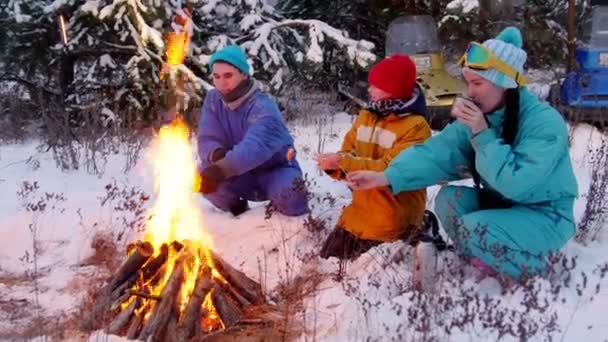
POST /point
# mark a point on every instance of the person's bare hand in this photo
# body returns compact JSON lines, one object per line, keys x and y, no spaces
{"x":363,"y":180}
{"x":469,"y":114}
{"x":328,"y":161}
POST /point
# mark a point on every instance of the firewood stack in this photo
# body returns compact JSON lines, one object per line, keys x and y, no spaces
{"x":142,"y":301}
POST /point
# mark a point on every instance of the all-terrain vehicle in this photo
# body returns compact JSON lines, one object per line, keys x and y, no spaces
{"x":416,"y":35}
{"x":583,"y":94}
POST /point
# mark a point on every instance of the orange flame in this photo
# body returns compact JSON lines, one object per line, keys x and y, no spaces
{"x":179,"y":40}
{"x":177,"y":45}
{"x":175,"y":215}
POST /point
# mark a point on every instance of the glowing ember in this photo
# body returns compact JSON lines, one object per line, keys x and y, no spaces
{"x":212,"y":320}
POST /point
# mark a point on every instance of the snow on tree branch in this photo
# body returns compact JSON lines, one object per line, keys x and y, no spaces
{"x":131,"y":34}
{"x":465,"y":6}
{"x":358,"y":51}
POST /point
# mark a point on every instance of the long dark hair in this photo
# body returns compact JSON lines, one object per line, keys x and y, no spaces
{"x":509,"y":125}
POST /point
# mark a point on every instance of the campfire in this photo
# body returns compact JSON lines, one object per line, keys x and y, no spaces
{"x":172,"y":286}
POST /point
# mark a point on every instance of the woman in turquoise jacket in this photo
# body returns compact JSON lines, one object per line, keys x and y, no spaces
{"x":516,"y":148}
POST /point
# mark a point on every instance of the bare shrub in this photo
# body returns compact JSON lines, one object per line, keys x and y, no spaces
{"x":526,"y":309}
{"x":529,"y":309}
{"x":105,"y":252}
{"x":595,"y":215}
{"x":129,"y":201}
{"x":89,"y":139}
{"x":15,"y":117}
{"x":304,"y":106}
{"x":36,"y":204}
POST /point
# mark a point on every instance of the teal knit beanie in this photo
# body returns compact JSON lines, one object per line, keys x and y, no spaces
{"x":507,"y":47}
{"x":233,"y":55}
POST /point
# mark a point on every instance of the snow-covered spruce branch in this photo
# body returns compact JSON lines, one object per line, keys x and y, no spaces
{"x":358,"y":51}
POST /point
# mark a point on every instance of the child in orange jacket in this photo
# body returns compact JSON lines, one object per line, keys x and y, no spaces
{"x":392,"y":121}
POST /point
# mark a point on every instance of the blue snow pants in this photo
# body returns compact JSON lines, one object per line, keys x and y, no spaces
{"x":282,"y":185}
{"x":515,"y":241}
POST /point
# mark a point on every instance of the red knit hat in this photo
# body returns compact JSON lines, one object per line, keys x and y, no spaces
{"x":395,"y":75}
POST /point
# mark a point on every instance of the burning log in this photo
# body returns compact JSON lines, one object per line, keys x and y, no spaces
{"x":143,"y":295}
{"x":143,"y":251}
{"x":217,"y":297}
{"x":226,"y":307}
{"x":249,"y":288}
{"x":150,"y":269}
{"x":169,"y":295}
{"x":192,"y":314}
{"x":122,"y":319}
{"x":117,"y":303}
{"x":140,"y":254}
{"x":134,"y":327}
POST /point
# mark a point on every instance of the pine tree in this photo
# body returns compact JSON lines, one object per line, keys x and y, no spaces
{"x":116,"y":48}
{"x":363,"y":19}
{"x":29,"y":45}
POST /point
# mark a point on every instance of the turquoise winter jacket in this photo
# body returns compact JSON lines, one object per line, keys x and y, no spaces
{"x":536,"y":169}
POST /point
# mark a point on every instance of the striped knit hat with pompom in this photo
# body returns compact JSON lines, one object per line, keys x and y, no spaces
{"x":507,"y":47}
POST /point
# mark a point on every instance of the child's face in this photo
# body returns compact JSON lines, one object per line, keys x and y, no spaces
{"x":377,"y":94}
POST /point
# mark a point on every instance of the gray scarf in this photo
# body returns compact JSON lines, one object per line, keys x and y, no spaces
{"x":236,"y":96}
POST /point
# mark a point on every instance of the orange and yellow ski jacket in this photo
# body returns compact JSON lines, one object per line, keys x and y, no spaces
{"x":371,"y":144}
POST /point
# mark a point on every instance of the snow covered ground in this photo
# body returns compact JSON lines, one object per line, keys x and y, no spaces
{"x":372,"y":300}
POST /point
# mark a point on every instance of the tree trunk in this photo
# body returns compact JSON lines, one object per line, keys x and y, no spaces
{"x":435,"y":9}
{"x":571,"y":34}
{"x":484,"y":18}
{"x":410,"y":7}
{"x":66,"y":74}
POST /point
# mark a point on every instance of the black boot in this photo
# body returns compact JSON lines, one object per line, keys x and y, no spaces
{"x":240,"y":207}
{"x":344,"y":245}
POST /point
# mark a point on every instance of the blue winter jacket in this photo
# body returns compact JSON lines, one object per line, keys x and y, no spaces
{"x":254,"y":133}
{"x":536,"y":169}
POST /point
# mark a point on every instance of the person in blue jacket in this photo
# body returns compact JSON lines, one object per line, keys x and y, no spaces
{"x":245,"y":149}
{"x":516,"y":148}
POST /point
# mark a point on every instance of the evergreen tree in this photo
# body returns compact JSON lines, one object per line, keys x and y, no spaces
{"x":362,"y":19}
{"x":29,"y":38}
{"x":116,"y":48}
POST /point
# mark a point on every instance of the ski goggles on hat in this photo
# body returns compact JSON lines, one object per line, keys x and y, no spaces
{"x":479,"y":57}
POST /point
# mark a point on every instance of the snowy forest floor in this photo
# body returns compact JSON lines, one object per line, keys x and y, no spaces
{"x":65,"y":231}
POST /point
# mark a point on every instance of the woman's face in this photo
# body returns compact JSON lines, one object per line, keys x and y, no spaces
{"x":486,"y":95}
{"x":377,"y":94}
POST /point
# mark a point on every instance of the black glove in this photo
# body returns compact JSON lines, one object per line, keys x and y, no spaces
{"x":211,"y":177}
{"x":217,"y":154}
